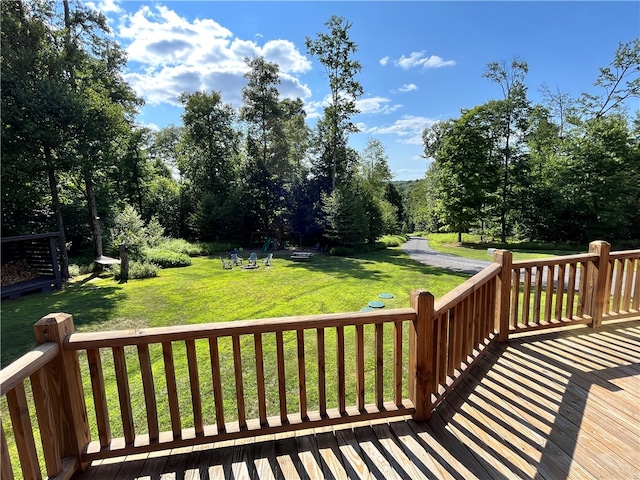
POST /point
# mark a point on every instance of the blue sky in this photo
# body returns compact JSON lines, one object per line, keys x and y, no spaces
{"x":421,"y":61}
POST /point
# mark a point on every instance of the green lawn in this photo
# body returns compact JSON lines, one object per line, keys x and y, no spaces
{"x":471,"y":247}
{"x":204,"y":292}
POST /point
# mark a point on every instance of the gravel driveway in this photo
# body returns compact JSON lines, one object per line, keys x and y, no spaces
{"x":418,"y":249}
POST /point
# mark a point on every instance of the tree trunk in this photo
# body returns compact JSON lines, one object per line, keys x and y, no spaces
{"x":124,"y":264}
{"x":94,"y":220}
{"x":55,"y":203}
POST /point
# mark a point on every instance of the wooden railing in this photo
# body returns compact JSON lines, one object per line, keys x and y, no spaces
{"x":384,"y":363}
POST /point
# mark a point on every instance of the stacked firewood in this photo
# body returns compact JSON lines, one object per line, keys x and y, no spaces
{"x":17,"y":271}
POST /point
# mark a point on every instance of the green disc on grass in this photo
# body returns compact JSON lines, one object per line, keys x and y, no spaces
{"x":376,"y":304}
{"x":386,"y":295}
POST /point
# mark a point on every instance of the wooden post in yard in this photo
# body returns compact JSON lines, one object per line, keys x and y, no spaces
{"x":124,"y":263}
{"x":65,"y":397}
{"x":421,"y":354}
{"x":597,"y":281}
{"x":503,"y":306}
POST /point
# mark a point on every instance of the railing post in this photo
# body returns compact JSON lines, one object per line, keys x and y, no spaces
{"x":597,"y":281}
{"x":503,"y":294}
{"x":65,"y":392}
{"x":421,"y":354}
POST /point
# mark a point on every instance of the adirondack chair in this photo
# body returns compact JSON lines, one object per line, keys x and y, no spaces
{"x":253,"y":259}
{"x":236,"y":259}
{"x":226,"y":264}
{"x":267,"y":261}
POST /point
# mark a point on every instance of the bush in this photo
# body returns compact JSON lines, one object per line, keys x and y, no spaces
{"x":138,"y":270}
{"x":178,"y":245}
{"x":350,"y":251}
{"x":74,"y":270}
{"x":166,"y":258}
{"x":394,"y":240}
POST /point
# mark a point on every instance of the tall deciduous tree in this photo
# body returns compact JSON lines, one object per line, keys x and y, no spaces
{"x":334,"y":51}
{"x":210,"y":162}
{"x":510,"y":114}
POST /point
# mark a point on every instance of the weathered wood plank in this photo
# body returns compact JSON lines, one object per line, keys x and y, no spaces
{"x":149,"y":391}
{"x":216,"y":379}
{"x":172,"y":389}
{"x":23,"y":432}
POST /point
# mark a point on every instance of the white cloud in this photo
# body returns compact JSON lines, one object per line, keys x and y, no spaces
{"x":416,"y":59}
{"x":408,"y":87}
{"x":384,"y":61}
{"x":105,"y":6}
{"x":408,"y":128}
{"x":169,"y":54}
{"x":376,"y":105}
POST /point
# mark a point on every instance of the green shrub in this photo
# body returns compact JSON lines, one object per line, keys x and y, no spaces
{"x":138,"y":270}
{"x":166,"y":258}
{"x":353,"y":250}
{"x":394,"y":240}
{"x":215,"y":248}
{"x":74,"y":270}
{"x":178,"y":245}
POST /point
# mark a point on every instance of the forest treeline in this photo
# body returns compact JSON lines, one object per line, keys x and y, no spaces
{"x":74,"y":158}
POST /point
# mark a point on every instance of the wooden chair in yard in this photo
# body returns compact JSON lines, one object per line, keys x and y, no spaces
{"x":236,"y":259}
{"x":253,"y":259}
{"x":267,"y":261}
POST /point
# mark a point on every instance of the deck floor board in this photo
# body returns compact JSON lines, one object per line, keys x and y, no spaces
{"x":554,"y":405}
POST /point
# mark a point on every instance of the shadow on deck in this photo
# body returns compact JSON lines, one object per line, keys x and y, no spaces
{"x":554,"y":405}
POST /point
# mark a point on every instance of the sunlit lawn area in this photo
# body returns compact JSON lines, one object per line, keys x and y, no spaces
{"x":204,"y":292}
{"x":471,"y":247}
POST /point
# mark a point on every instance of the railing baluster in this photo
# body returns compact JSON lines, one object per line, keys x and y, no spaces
{"x":582,"y":289}
{"x":606,"y":306}
{"x":617,"y":288}
{"x":322,"y":373}
{"x":23,"y":432}
{"x":628,"y":284}
{"x":537,"y":295}
{"x":526,"y":296}
{"x":515,"y":296}
{"x":122,"y":380}
{"x":302,"y":376}
{"x":548,"y":304}
{"x":443,"y":350}
{"x":340,"y":364}
{"x":149,"y":391}
{"x":99,"y":396}
{"x":262,"y":400}
{"x":397,"y":363}
{"x":216,"y":379}
{"x":194,"y":385}
{"x":360,"y":367}
{"x":636,"y":289}
{"x":560,"y":291}
{"x":282,"y":390}
{"x":172,"y":389}
{"x":571,"y":290}
{"x":451,"y":365}
{"x":47,"y":419}
{"x":6,"y":469}
{"x":237,"y":368}
{"x":379,"y":372}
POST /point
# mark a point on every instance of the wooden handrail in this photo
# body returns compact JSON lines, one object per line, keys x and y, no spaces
{"x":467,"y":288}
{"x":25,"y":366}
{"x":547,"y":262}
{"x":121,"y":338}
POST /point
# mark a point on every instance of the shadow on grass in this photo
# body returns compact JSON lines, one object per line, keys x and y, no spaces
{"x":88,"y":303}
{"x":356,"y":267}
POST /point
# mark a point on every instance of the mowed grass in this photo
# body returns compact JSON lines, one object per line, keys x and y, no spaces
{"x":204,"y":292}
{"x":472,"y":247}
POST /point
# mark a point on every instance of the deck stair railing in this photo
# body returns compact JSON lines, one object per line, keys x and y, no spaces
{"x":74,"y":398}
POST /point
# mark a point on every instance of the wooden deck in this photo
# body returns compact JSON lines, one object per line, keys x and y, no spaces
{"x":554,"y":405}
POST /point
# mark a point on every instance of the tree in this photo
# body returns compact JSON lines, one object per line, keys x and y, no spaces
{"x":620,"y":81}
{"x":334,"y":51}
{"x":465,"y":173}
{"x":510,"y":113}
{"x":210,"y":163}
